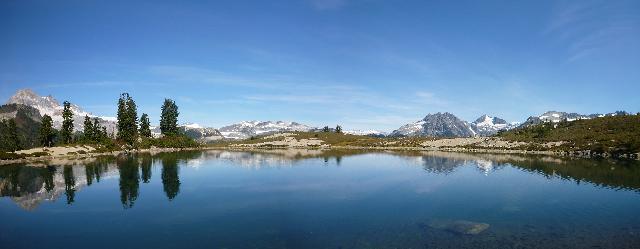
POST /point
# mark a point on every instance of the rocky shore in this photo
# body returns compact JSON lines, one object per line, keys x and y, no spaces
{"x":77,"y":154}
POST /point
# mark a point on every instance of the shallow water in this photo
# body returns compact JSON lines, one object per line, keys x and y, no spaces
{"x":321,"y":199}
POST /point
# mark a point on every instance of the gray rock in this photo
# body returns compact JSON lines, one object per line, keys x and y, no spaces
{"x":460,"y":226}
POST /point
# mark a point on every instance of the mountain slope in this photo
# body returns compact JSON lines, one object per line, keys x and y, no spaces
{"x":52,"y":107}
{"x":489,"y":126}
{"x":201,"y":134}
{"x":246,"y":129}
{"x":612,"y":134}
{"x":437,"y":125}
{"x":27,"y":120}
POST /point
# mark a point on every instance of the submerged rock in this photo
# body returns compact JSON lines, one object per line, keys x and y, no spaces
{"x":459,"y":226}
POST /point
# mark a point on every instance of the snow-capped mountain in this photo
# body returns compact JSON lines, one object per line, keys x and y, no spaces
{"x":246,"y":129}
{"x":367,"y":133}
{"x":50,"y":106}
{"x":437,"y":125}
{"x":555,"y":117}
{"x":193,"y":130}
{"x":200,"y":133}
{"x":488,"y":126}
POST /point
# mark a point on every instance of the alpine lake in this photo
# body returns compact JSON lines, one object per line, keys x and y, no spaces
{"x":321,"y":199}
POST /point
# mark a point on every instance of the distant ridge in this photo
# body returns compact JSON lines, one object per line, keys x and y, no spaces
{"x":50,"y":106}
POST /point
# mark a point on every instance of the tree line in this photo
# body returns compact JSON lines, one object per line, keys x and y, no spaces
{"x":130,"y":128}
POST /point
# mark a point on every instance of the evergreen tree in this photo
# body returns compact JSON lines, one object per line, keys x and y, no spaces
{"x":127,"y":119}
{"x":325,"y":129}
{"x":145,"y":129}
{"x":169,"y":118}
{"x":132,"y":113}
{"x":99,"y":132}
{"x":13,"y":138}
{"x":338,"y":129}
{"x":67,"y":123}
{"x":46,"y":131}
{"x":89,"y":132}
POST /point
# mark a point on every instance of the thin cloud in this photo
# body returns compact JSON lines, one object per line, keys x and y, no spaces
{"x":328,"y":4}
{"x":587,"y":27}
{"x":430,"y":98}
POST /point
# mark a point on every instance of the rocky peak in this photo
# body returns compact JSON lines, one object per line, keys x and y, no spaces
{"x":437,"y":125}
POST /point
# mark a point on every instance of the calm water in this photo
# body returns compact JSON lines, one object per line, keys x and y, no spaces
{"x":314,"y":199}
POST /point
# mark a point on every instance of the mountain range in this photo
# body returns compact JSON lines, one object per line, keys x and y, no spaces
{"x":52,"y":107}
{"x":435,"y":125}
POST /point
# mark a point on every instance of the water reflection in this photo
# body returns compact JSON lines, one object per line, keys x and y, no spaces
{"x":145,"y":164}
{"x":129,"y":180}
{"x":170,"y":180}
{"x":29,"y":186}
{"x":69,"y":184}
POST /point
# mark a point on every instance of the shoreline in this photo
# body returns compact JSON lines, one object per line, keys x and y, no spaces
{"x":90,"y":155}
{"x":570,"y":154}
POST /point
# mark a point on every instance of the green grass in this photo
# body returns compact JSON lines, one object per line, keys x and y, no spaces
{"x":616,"y":135}
{"x":338,"y":139}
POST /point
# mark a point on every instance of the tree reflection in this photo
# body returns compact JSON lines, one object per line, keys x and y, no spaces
{"x":129,"y":181}
{"x":69,"y":184}
{"x":90,"y":172}
{"x":47,"y":174}
{"x":146,"y":169}
{"x":170,"y":180}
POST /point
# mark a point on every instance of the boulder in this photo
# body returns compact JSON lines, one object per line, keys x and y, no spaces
{"x":460,"y":226}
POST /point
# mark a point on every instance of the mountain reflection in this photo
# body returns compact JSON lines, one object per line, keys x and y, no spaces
{"x":29,"y":186}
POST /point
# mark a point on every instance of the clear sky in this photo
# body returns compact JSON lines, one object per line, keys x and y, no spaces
{"x":360,"y":63}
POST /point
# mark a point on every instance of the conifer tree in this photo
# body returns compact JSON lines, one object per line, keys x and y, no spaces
{"x":145,"y":129}
{"x":14,"y":139}
{"x":127,"y":119}
{"x":132,"y":112}
{"x":169,"y":118}
{"x":46,"y":131}
{"x":67,"y":123}
{"x":325,"y":129}
{"x":89,"y":132}
{"x":338,"y":129}
{"x":98,"y":134}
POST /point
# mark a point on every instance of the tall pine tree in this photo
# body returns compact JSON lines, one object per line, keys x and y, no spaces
{"x":89,"y":132}
{"x":127,"y":119}
{"x":145,"y":126}
{"x":46,"y":131}
{"x":67,"y":123}
{"x":14,"y":139}
{"x":99,"y":132}
{"x":169,"y":118}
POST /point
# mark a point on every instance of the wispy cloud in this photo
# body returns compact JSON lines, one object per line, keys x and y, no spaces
{"x":587,"y":27}
{"x":82,"y":84}
{"x":430,"y":98}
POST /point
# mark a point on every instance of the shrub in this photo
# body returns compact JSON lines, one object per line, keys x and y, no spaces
{"x":10,"y":156}
{"x":176,"y":141}
{"x":38,"y":154}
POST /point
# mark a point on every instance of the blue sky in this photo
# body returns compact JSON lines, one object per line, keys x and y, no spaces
{"x":360,"y":63}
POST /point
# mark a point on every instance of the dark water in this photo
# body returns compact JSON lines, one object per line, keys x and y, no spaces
{"x":314,"y":199}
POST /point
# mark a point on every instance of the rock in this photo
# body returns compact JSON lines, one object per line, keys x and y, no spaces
{"x":460,"y":226}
